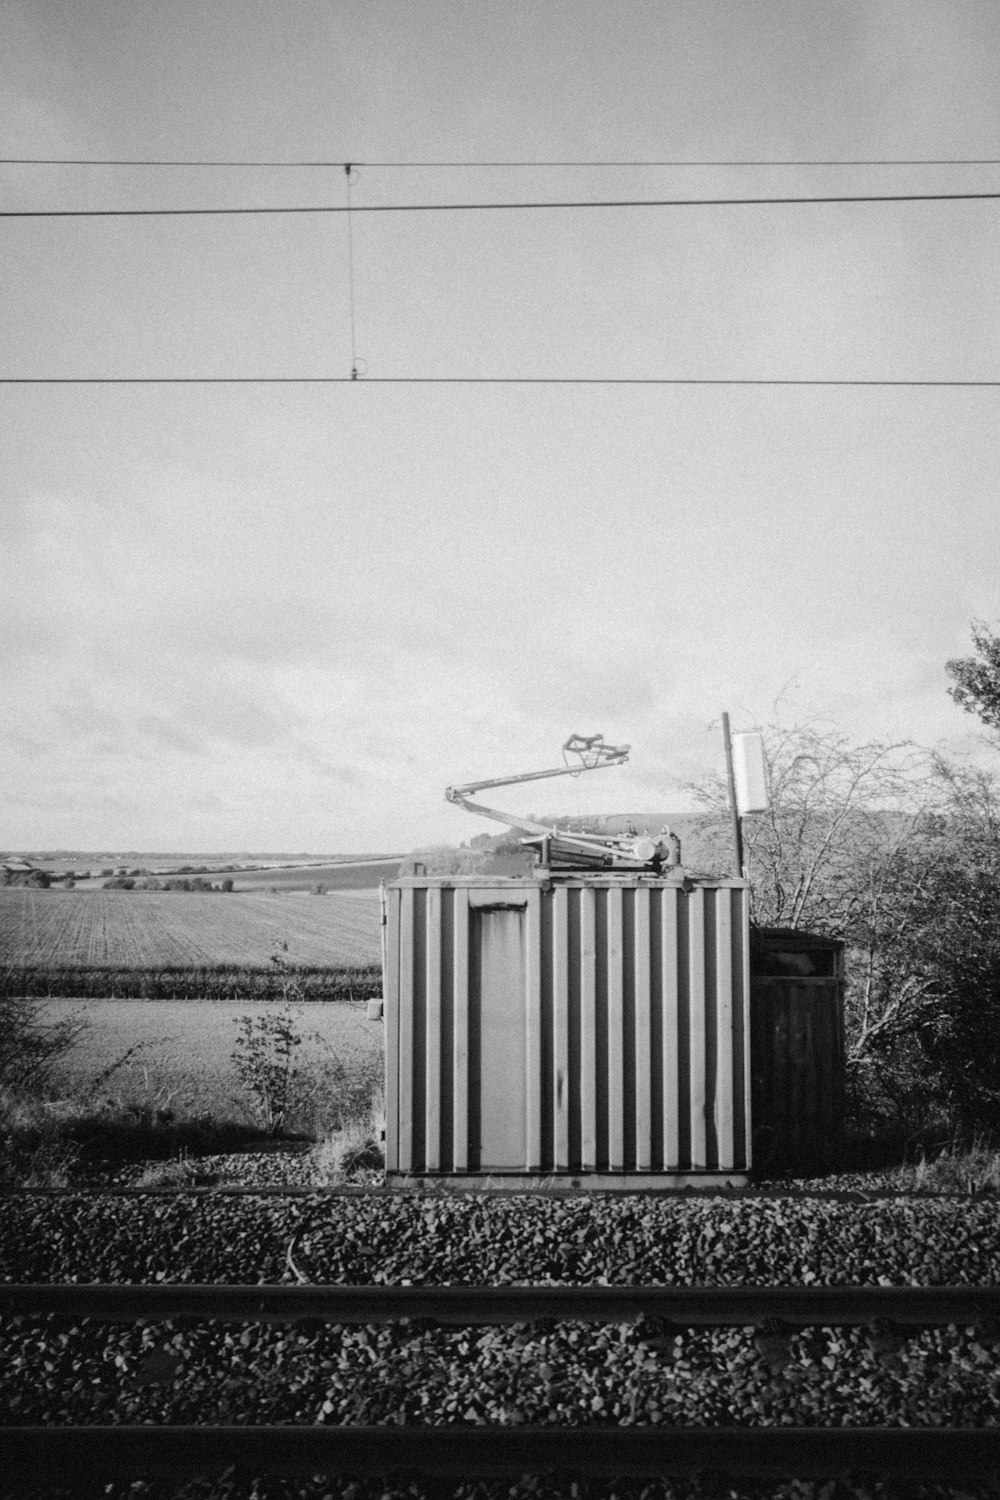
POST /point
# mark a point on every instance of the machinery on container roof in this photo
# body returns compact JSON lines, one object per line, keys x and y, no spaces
{"x":565,"y":849}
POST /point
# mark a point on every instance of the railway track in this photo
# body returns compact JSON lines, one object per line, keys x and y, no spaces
{"x":47,"y":1454}
{"x":686,"y":1307}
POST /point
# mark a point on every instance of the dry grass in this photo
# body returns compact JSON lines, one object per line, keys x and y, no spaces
{"x":34,"y":1157}
{"x":954,"y":1167}
{"x":184,"y":1053}
{"x":54,"y":1142}
{"x":355,"y":1151}
{"x":171,"y":1101}
{"x":182,"y":1171}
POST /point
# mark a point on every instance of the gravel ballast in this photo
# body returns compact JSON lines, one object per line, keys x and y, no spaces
{"x":60,"y":1371}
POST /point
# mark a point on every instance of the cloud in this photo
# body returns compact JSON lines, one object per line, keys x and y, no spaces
{"x":165,"y":735}
{"x":314,"y":760}
{"x":607,"y":684}
{"x":226,"y":712}
{"x":80,"y":716}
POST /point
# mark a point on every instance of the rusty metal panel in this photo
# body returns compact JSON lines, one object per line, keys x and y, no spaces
{"x":595,"y":1026}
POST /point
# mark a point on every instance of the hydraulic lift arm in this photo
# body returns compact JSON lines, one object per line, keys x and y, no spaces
{"x":557,"y":846}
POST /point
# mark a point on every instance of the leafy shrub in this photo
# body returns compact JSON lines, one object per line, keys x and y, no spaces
{"x":323,"y":1096}
{"x":264,"y":1060}
{"x":38,"y":878}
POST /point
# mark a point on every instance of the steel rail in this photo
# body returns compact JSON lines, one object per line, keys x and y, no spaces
{"x":704,"y":1306}
{"x":53,"y":1453}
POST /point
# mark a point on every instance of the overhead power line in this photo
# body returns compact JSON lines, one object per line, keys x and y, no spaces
{"x":899,"y":161}
{"x":398,"y":208}
{"x":607,"y":380}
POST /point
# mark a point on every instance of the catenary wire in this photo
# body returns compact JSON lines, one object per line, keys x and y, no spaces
{"x":900,"y":161}
{"x":576,"y":380}
{"x":395,"y":208}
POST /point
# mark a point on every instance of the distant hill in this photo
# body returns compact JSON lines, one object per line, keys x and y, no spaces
{"x":248,"y":871}
{"x":339,"y":875}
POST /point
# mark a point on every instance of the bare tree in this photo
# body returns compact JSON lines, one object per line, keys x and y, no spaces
{"x":896,"y":852}
{"x":836,"y":810}
{"x":928,"y":995}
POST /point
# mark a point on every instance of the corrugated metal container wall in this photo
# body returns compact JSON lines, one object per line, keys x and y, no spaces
{"x":593,"y":1029}
{"x":797,"y":1048}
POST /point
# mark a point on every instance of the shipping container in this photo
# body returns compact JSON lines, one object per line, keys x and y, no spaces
{"x":581,"y":1030}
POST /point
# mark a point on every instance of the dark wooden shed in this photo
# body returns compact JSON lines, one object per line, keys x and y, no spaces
{"x":796,"y":1049}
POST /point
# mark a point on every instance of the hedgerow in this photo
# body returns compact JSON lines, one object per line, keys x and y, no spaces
{"x":191,"y":982}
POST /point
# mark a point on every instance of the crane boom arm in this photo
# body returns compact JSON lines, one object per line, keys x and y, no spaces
{"x":623,"y":852}
{"x":593,"y":753}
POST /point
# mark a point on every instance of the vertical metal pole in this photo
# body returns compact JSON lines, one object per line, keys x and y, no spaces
{"x":734,"y":810}
{"x":384,"y":917}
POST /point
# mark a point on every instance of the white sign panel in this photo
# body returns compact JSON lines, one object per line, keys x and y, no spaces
{"x":750,"y":772}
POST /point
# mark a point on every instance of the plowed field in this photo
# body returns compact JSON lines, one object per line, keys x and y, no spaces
{"x":145,"y":929}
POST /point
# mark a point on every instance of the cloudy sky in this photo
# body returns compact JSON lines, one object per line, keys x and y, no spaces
{"x":285,"y":617}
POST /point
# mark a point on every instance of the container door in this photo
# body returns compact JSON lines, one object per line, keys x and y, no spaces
{"x":497,"y":1042}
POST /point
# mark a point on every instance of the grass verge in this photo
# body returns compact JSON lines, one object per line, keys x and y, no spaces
{"x":61,"y":1140}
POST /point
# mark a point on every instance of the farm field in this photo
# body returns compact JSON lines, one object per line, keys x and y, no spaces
{"x":147,"y":929}
{"x":185,"y":1048}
